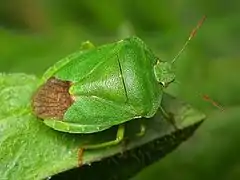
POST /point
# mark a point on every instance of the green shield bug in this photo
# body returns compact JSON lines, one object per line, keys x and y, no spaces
{"x":100,"y":87}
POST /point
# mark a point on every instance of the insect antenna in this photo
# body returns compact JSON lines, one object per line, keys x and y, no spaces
{"x":213,"y":102}
{"x":192,"y":34}
{"x":208,"y":99}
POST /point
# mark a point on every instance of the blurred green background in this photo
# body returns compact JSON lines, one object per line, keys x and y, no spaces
{"x":35,"y":34}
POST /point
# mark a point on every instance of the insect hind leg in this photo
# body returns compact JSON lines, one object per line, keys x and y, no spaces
{"x":119,"y":138}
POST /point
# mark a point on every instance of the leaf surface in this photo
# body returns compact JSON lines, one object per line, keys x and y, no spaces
{"x":31,"y":150}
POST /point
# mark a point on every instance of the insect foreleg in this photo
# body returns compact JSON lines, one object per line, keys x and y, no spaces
{"x":142,"y":129}
{"x":169,"y":117}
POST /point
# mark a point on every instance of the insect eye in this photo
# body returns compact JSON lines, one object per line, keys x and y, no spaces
{"x":165,"y":84}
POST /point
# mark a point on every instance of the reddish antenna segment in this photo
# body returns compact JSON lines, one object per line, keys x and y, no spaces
{"x":194,"y":31}
{"x":192,"y":34}
{"x":214,"y":103}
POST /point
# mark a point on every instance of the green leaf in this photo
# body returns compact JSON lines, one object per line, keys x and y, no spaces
{"x":31,"y":150}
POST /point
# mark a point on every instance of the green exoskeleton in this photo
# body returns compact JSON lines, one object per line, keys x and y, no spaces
{"x":100,"y":87}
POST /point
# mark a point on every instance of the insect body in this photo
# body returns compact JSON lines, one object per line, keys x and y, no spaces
{"x":102,"y":87}
{"x":97,"y":88}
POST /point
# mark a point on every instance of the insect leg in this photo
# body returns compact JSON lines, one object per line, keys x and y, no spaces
{"x":169,"y":117}
{"x":142,"y":129}
{"x":119,"y":138}
{"x":80,"y":156}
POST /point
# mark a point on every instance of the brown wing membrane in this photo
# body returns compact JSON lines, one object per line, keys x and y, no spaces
{"x":52,"y":99}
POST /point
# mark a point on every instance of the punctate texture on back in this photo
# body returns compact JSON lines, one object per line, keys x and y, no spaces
{"x":122,"y":72}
